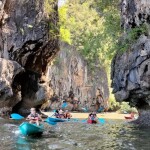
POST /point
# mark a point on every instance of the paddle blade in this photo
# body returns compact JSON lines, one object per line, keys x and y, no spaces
{"x":101,"y":120}
{"x":50,"y":122}
{"x":16,"y":116}
{"x":84,"y":121}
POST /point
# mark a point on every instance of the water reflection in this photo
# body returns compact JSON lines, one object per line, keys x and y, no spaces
{"x":113,"y":135}
{"x":22,"y":143}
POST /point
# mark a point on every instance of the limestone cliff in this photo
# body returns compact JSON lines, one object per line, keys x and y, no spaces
{"x":73,"y":81}
{"x":28,"y":35}
{"x":131,"y":70}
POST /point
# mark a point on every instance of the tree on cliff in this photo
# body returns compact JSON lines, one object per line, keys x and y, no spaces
{"x":93,"y":27}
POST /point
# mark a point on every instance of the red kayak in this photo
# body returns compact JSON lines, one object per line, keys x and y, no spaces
{"x":91,"y":121}
{"x":129,"y":117}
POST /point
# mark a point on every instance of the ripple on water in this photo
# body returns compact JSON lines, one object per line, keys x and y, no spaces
{"x":114,"y":135}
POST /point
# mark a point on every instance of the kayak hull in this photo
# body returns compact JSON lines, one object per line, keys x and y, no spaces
{"x":50,"y":122}
{"x":128,"y":117}
{"x":91,"y":121}
{"x":56,"y":119}
{"x":31,"y":129}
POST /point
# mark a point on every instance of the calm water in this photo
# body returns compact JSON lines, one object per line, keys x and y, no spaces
{"x":114,"y":135}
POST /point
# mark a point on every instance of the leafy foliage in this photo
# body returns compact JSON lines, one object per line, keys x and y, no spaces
{"x":125,"y":108}
{"x":130,"y":37}
{"x":113,"y":105}
{"x":93,"y":27}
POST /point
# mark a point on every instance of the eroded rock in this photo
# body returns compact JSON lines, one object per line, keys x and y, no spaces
{"x":72,"y":81}
{"x":131,"y":74}
{"x":29,"y":36}
{"x":131,"y":70}
{"x":10,"y":93}
{"x":134,"y":13}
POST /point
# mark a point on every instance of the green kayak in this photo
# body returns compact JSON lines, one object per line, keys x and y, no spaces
{"x":31,"y":129}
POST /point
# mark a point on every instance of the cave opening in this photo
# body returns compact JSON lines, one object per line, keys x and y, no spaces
{"x":27,"y":83}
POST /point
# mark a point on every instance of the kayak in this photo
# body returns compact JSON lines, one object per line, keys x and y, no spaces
{"x":91,"y":121}
{"x":31,"y":129}
{"x":56,"y":119}
{"x":50,"y":122}
{"x":127,"y":117}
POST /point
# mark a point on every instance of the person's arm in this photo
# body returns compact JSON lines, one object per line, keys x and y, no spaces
{"x":40,"y":118}
{"x":29,"y":117}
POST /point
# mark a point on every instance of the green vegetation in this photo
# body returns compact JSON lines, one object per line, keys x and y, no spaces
{"x":51,"y":11}
{"x":113,"y":105}
{"x":48,"y":6}
{"x":122,"y":107}
{"x":93,"y":27}
{"x":130,"y":37}
{"x":125,"y":108}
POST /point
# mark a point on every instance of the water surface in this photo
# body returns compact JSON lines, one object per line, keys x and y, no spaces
{"x":113,"y":135}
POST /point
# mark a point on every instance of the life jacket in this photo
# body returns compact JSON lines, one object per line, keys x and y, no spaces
{"x":93,"y":118}
{"x":34,"y":115}
{"x":68,"y":115}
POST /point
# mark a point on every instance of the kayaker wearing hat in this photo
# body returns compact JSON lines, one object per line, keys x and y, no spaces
{"x":34,"y":117}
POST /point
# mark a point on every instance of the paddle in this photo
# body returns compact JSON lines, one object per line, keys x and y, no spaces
{"x":16,"y":116}
{"x":101,"y":120}
{"x":19,"y":117}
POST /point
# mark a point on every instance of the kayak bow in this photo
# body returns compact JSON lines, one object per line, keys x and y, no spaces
{"x":31,"y":129}
{"x":56,"y":119}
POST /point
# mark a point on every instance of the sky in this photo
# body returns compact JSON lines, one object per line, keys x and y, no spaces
{"x":61,"y":2}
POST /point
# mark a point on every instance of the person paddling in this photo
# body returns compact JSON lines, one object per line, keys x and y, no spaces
{"x":34,"y":117}
{"x":61,"y":114}
{"x":67,"y":115}
{"x":56,"y":114}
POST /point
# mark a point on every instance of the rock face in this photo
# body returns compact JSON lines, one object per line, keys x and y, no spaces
{"x":134,"y":13}
{"x":131,"y":70}
{"x":27,"y":30}
{"x":131,"y":74}
{"x":10,"y":91}
{"x":72,"y":81}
